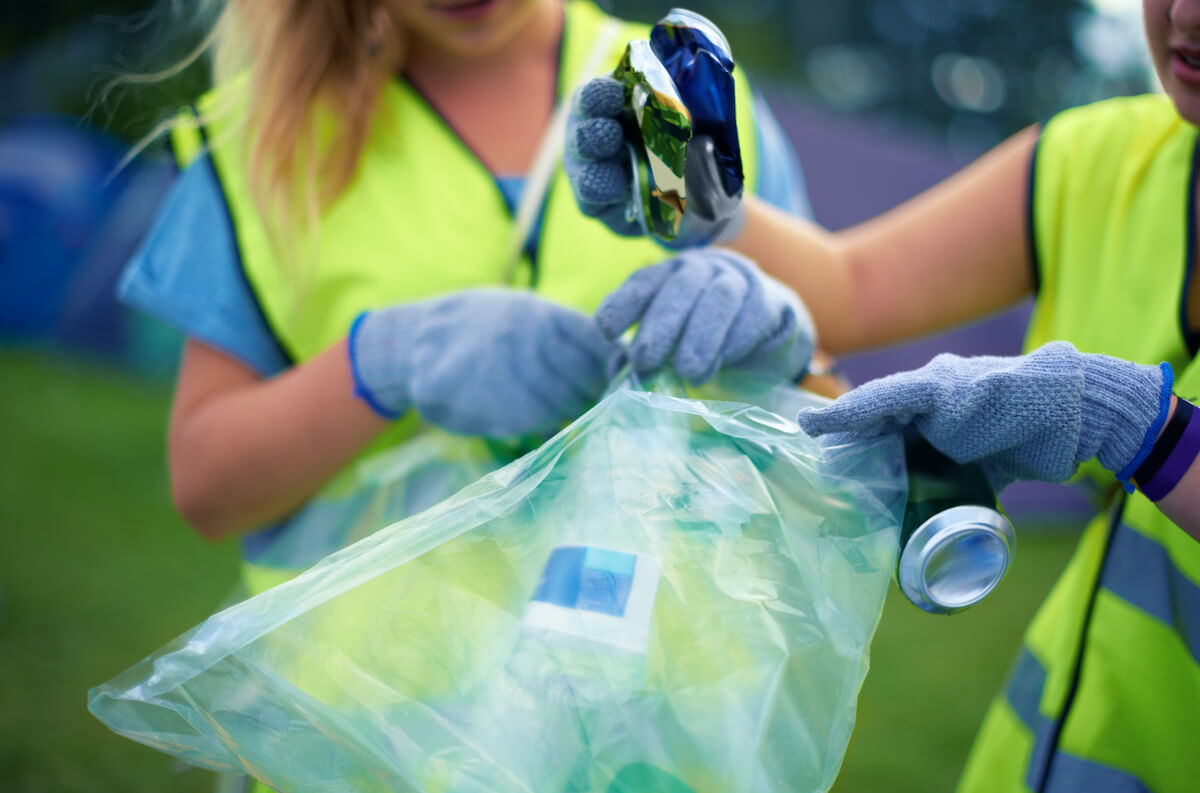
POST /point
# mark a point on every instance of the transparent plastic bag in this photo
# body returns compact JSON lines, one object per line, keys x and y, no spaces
{"x":670,"y":595}
{"x":379,"y":490}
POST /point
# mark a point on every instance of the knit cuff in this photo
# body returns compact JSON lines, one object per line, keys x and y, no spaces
{"x":378,"y":345}
{"x":1123,"y":405}
{"x":1164,"y":409}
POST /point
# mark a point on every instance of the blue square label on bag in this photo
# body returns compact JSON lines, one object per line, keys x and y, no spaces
{"x":605,"y":581}
{"x":597,"y":594}
{"x":587,"y":578}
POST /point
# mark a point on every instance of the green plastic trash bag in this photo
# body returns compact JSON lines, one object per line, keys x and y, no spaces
{"x":670,"y":595}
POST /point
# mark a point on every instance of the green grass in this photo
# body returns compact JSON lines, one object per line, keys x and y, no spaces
{"x":97,"y":571}
{"x":932,"y":677}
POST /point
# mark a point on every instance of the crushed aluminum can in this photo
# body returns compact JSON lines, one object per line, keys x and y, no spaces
{"x":956,"y":545}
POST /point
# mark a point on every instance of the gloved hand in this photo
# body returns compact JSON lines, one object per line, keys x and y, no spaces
{"x":1035,"y":416}
{"x":707,"y":309}
{"x":599,"y":169}
{"x":489,"y":362}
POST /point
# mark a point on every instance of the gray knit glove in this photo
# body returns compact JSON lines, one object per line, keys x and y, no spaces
{"x":710,"y":309}
{"x":1035,"y":416}
{"x":597,"y":164}
{"x":595,"y":159}
{"x":491,"y":362}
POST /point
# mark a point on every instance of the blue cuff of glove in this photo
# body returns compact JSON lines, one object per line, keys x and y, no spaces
{"x":1164,"y":408}
{"x":360,"y":388}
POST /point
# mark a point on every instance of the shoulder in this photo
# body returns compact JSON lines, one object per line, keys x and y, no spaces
{"x":1112,"y":127}
{"x":189,"y":238}
{"x":213,"y":123}
{"x":1089,"y":155}
{"x":193,"y":210}
{"x":187,"y":273}
{"x":1121,"y":112}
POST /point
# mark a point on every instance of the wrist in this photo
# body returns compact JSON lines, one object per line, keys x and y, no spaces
{"x":1129,"y":404}
{"x":1172,"y":406}
{"x":1175,"y":450}
{"x":377,"y":345}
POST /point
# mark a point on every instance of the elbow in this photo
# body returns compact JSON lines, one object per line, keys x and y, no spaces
{"x":210,"y":495}
{"x":201,"y":488}
{"x":200,"y":494}
{"x":200,"y":506}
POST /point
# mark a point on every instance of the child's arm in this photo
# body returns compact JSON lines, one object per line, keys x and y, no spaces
{"x":1182,"y":506}
{"x":956,"y":252}
{"x":245,"y":450}
{"x":1037,"y":417}
{"x":496,"y":363}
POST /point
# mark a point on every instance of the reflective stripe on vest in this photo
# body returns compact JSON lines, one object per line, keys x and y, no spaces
{"x":1138,"y":580}
{"x":1068,"y":773}
{"x":1106,"y":693}
{"x":1131,"y":572}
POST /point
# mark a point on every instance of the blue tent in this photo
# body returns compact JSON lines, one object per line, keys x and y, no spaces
{"x":69,"y":220}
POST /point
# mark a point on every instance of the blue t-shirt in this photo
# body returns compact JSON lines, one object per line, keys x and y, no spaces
{"x":187,"y":272}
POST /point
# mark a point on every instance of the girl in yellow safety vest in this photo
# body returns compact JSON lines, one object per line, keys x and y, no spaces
{"x":338,"y":249}
{"x":1094,"y":214}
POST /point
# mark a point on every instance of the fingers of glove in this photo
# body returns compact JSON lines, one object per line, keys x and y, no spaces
{"x":756,"y":320}
{"x":782,"y":355}
{"x":494,"y":388}
{"x":584,"y":332}
{"x":559,"y":396}
{"x":626,"y":304}
{"x":553,"y":365}
{"x":880,"y":406}
{"x":698,"y":355}
{"x":618,"y":361}
{"x":599,"y":185}
{"x":602,"y":97}
{"x":516,"y":412}
{"x":459,"y":389}
{"x":774,"y":329}
{"x":847,"y":420}
{"x":1000,"y":476}
{"x":596,"y":139}
{"x":579,"y":354}
{"x":667,"y":315}
{"x":772,"y":338}
{"x":754,"y":331}
{"x":803,"y":330}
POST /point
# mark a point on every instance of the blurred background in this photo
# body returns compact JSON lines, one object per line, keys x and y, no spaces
{"x":881,"y":99}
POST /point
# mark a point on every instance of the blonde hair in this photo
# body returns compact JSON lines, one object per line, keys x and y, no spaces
{"x":286,"y":62}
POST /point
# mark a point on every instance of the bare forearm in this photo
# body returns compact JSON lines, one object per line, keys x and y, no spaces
{"x":955,"y":253}
{"x":808,"y":259}
{"x":1182,"y":505}
{"x":247,"y":453}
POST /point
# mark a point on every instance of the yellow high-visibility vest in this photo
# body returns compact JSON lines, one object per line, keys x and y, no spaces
{"x":1105,"y":695}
